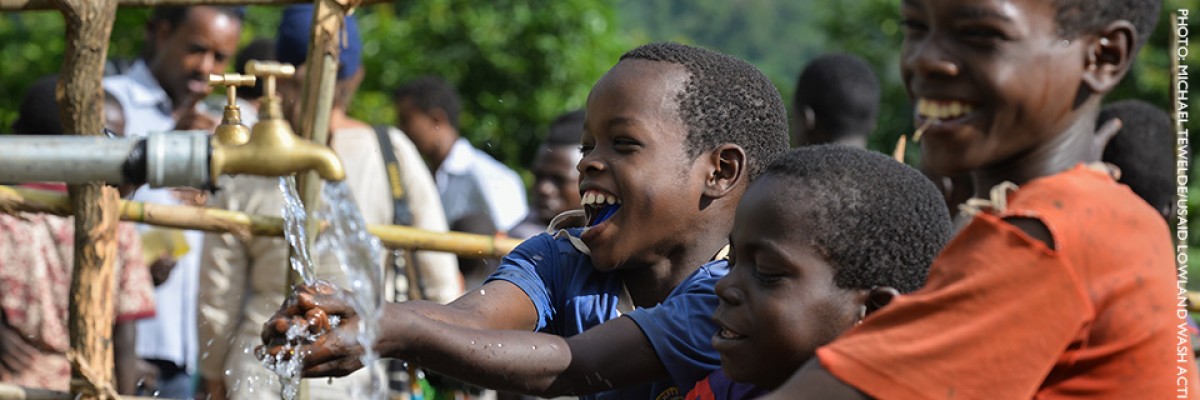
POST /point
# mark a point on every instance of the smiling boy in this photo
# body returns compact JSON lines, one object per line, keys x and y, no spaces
{"x":672,"y":136}
{"x":826,"y":236}
{"x":1061,"y":285}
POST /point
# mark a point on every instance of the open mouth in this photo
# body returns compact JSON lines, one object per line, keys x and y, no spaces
{"x":599,"y":206}
{"x":727,"y":334}
{"x":936,"y":112}
{"x":197,"y":86}
{"x":942,"y":110}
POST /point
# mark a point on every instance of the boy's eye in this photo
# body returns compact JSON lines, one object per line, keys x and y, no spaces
{"x":765,"y":278}
{"x":624,"y":144}
{"x":983,"y":34}
{"x":913,"y":26}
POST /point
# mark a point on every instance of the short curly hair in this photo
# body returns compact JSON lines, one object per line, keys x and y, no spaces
{"x":725,"y":100}
{"x":431,"y":92}
{"x":1138,"y":151}
{"x":877,"y":221}
{"x":843,"y":93}
{"x":1079,"y":16}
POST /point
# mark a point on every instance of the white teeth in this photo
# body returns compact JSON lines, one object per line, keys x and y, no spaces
{"x":942,"y":110}
{"x":597,"y":198}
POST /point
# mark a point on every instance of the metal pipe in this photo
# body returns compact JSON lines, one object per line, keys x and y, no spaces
{"x":161,"y":159}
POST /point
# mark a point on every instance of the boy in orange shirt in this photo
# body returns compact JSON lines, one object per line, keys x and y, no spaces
{"x":1061,"y":285}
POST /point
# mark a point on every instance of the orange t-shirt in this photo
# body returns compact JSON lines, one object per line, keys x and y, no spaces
{"x":1005,"y":317}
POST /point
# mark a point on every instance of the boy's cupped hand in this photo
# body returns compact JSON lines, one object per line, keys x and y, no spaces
{"x":327,"y":350}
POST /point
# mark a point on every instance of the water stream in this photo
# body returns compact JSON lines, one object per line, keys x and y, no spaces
{"x":358,"y":253}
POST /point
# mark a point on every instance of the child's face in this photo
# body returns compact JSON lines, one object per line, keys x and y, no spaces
{"x":635,"y":153}
{"x":994,"y":75}
{"x":779,"y":302}
{"x":424,"y":130}
{"x":556,"y":181}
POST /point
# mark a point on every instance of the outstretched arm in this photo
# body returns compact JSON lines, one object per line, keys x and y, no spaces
{"x":613,"y":354}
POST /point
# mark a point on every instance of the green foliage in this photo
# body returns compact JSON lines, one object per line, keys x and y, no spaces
{"x":27,"y":55}
{"x":517,"y":63}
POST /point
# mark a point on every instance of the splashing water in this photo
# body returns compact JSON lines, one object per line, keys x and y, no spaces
{"x":358,"y":252}
{"x":294,"y":220}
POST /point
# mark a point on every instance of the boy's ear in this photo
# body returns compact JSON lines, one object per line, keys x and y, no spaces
{"x":879,"y":297}
{"x":1109,"y":56}
{"x":439,"y":116}
{"x":810,"y":118}
{"x":728,"y":170}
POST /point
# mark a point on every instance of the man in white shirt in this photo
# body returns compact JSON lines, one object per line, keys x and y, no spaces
{"x":162,"y":93}
{"x":469,"y":180}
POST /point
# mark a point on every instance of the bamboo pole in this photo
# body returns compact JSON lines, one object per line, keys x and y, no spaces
{"x":14,"y":392}
{"x":320,"y":80}
{"x":16,"y":199}
{"x":89,"y":24}
{"x":43,"y":5}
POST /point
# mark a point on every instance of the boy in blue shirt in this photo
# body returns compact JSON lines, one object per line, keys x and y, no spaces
{"x":673,"y":134}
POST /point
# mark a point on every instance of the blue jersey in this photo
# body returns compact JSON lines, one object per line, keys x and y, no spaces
{"x":571,"y":296}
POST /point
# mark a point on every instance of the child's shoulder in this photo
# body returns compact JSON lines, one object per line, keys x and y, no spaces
{"x":1087,"y":213}
{"x":1086,"y":195}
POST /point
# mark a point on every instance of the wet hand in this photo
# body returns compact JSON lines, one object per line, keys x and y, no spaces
{"x":329,"y":327}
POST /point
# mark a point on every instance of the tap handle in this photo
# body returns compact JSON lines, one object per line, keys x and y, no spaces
{"x":231,"y":81}
{"x":269,"y":70}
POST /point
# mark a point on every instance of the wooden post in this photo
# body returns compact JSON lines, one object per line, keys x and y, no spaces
{"x":320,"y":79}
{"x":80,"y":98}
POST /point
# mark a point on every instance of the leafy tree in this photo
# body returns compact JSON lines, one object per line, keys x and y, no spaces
{"x":517,"y":63}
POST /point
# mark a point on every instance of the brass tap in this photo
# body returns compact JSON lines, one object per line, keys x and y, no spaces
{"x":273,"y":148}
{"x":231,"y":132}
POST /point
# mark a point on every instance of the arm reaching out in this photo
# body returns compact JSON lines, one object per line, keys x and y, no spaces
{"x":470,"y":340}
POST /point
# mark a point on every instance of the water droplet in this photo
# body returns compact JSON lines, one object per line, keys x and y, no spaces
{"x":499,"y":344}
{"x":228,"y":373}
{"x":472,"y":342}
{"x":533,"y":347}
{"x":482,"y":292}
